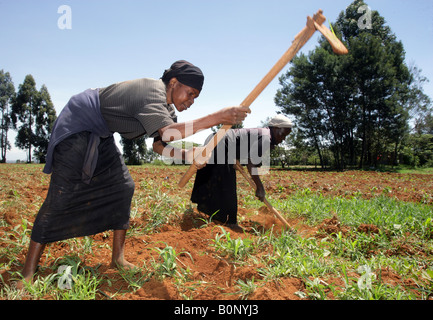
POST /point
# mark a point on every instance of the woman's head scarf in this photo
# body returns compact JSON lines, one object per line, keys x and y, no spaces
{"x":186,"y":73}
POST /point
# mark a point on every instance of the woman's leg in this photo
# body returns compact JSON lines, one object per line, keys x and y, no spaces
{"x":36,"y":249}
{"x":118,"y":257}
{"x":32,"y":259}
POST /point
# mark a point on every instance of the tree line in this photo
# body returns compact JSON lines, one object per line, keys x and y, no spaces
{"x":30,"y":112}
{"x":362,"y":109}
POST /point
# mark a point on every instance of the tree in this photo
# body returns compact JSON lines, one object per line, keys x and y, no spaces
{"x":7,"y":93}
{"x":421,"y":111}
{"x":356,"y":106}
{"x":45,"y":118}
{"x":23,"y":109}
{"x":33,"y":115}
{"x":382,"y":83}
{"x":134,"y":151}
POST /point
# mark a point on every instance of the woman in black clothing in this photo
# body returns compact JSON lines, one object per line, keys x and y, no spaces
{"x":214,"y":189}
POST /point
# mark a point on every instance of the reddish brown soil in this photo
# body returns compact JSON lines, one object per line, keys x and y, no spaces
{"x":212,"y":276}
{"x":367,"y":184}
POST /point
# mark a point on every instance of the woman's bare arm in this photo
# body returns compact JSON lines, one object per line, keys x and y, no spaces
{"x":260,"y":190}
{"x":178,"y":131}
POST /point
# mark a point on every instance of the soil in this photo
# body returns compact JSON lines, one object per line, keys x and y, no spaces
{"x":212,"y":276}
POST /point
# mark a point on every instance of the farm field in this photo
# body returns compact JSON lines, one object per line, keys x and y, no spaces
{"x":355,"y":235}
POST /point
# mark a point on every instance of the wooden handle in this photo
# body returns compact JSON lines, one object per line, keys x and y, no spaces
{"x":337,"y":46}
{"x":297,"y":44}
{"x":185,"y":178}
{"x":299,"y":41}
{"x":238,"y":167}
{"x":207,"y":151}
{"x":276,"y":213}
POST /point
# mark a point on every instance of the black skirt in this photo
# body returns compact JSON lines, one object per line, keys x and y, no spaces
{"x":214,"y":192}
{"x":73,"y":208}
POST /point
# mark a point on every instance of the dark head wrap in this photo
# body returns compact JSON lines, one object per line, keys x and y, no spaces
{"x":186,"y":73}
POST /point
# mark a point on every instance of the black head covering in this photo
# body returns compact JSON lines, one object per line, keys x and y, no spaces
{"x":186,"y":73}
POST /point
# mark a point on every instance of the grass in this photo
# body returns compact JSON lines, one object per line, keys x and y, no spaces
{"x":168,"y":263}
{"x":75,"y":282}
{"x":403,"y":244}
{"x":392,"y":260}
{"x":408,"y":169}
{"x":235,"y":249}
{"x":393,"y":216}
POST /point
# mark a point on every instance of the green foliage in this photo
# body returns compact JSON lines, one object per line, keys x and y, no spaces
{"x":134,"y":151}
{"x":7,"y":93}
{"x":356,"y":106}
{"x":33,"y":115}
{"x":45,"y":117}
{"x":418,"y":151}
{"x":69,"y":280}
{"x":168,"y":261}
{"x":76,"y":282}
{"x":236,"y":249}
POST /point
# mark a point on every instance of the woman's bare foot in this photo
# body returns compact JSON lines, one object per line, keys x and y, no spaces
{"x":122,"y":264}
{"x":118,"y":260}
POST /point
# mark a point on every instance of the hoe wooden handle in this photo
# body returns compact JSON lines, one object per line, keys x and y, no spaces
{"x":337,"y":46}
{"x":297,"y":44}
{"x":265,"y":201}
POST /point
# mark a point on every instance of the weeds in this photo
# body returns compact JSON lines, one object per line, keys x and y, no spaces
{"x":237,"y":249}
{"x":136,"y":277}
{"x":71,"y":281}
{"x":294,"y":256}
{"x":370,"y":287}
{"x":393,"y":262}
{"x":383,"y":212}
{"x":168,"y":263}
{"x":246,"y":288}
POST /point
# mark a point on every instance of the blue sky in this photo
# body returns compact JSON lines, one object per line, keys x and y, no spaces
{"x":234,"y":42}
